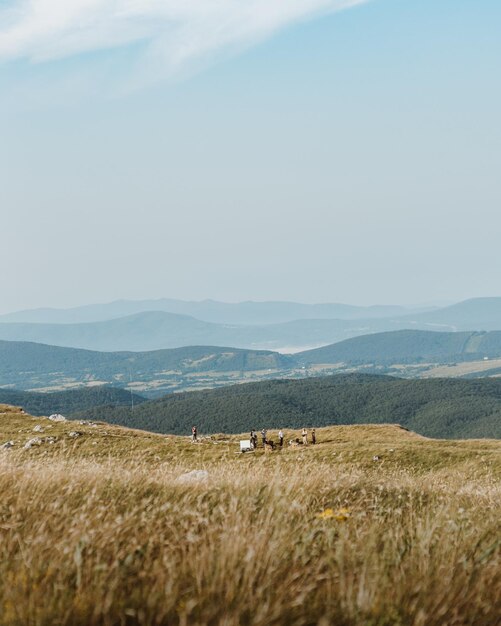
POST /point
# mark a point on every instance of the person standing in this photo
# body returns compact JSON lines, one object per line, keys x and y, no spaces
{"x":281,"y":438}
{"x":193,"y":433}
{"x":263,"y":436}
{"x":305,"y":437}
{"x":313,"y":436}
{"x":253,"y":439}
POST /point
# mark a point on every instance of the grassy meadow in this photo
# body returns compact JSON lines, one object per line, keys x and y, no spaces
{"x":372,"y":526}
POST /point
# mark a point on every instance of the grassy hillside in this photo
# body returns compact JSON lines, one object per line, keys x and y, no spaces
{"x":436,"y":407}
{"x":408,"y":346}
{"x":125,"y":527}
{"x":32,"y":365}
{"x":66,"y":402}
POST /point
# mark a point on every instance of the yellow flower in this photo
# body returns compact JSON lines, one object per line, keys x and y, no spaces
{"x":326,"y":514}
{"x":341,"y":515}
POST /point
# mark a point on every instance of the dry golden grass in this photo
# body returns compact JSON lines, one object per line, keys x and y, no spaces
{"x":102,"y":530}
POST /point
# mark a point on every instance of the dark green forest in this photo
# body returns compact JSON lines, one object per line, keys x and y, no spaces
{"x":443,"y":408}
{"x":408,"y":346}
{"x":68,"y":402}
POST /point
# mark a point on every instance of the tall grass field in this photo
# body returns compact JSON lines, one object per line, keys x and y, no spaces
{"x":373,"y":526}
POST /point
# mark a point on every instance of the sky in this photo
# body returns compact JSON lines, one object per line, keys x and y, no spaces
{"x":307,"y":150}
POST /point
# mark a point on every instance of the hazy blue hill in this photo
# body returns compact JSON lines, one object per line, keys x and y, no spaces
{"x":401,"y":346}
{"x":434,"y":407}
{"x":157,"y":330}
{"x":408,"y":346}
{"x":473,"y":314}
{"x":247,"y":313}
{"x":26,"y":364}
{"x":144,"y":331}
{"x":67,"y":402}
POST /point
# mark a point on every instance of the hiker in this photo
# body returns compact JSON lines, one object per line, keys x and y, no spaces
{"x":313,"y":436}
{"x":193,"y":433}
{"x":263,"y":436}
{"x":253,"y":439}
{"x":281,"y":438}
{"x":305,"y":437}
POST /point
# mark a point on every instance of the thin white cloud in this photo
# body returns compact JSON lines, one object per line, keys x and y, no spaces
{"x":174,"y":32}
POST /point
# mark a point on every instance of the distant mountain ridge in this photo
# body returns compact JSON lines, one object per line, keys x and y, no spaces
{"x":143,"y":331}
{"x":153,"y":330}
{"x":472,"y":314}
{"x":246,"y":313}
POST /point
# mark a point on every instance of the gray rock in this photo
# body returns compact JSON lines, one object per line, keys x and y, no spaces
{"x":56,"y":417}
{"x":36,"y":441}
{"x":74,"y":434}
{"x":7,"y":445}
{"x":38,"y":429}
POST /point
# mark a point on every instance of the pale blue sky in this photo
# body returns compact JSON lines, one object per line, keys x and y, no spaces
{"x":352,"y":156}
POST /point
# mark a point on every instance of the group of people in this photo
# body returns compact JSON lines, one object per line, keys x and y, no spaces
{"x":304,"y":434}
{"x":253,"y":438}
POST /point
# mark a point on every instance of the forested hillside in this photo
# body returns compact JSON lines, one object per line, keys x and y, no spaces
{"x":449,"y":408}
{"x":27,"y":365}
{"x":408,"y":346}
{"x":32,"y":365}
{"x":71,"y":401}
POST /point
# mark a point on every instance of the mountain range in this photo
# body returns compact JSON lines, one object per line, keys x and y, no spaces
{"x":27,"y":365}
{"x":247,"y":313}
{"x":153,"y":330}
